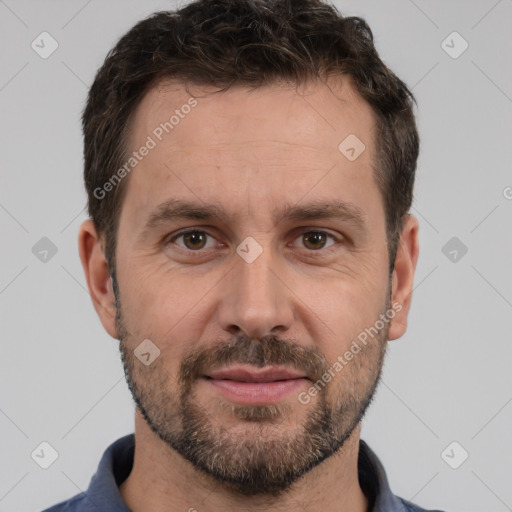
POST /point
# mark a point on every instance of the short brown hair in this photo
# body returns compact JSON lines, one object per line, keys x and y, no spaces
{"x":250,"y":43}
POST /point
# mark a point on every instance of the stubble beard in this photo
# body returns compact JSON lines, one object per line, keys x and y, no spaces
{"x":266,"y":453}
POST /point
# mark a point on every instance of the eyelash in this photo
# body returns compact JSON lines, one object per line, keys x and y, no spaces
{"x":168,"y":241}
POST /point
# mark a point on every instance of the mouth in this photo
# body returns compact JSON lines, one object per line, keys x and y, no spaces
{"x":255,"y":386}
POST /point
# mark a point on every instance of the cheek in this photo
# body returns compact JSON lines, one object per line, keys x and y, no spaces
{"x":346,"y":307}
{"x":167,"y":306}
{"x":358,"y":283}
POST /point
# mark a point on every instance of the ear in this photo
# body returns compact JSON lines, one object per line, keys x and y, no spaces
{"x":98,"y":279}
{"x":403,"y":277}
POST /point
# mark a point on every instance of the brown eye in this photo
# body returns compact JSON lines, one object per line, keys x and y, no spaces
{"x":315,"y":240}
{"x":192,"y":240}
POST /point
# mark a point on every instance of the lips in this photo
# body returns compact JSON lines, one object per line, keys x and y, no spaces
{"x":255,"y":386}
{"x":255,"y":375}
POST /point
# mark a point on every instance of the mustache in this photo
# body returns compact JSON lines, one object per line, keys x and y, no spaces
{"x":259,"y":352}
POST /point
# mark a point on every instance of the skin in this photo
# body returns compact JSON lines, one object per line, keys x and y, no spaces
{"x":251,"y":152}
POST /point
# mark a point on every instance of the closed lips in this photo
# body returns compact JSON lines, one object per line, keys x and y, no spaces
{"x":242,"y":375}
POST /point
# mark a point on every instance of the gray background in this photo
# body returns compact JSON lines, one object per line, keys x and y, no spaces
{"x":448,"y":379}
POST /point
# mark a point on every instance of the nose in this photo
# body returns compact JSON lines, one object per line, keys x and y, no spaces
{"x":255,"y":299}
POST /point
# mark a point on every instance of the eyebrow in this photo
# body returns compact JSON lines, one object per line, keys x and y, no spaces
{"x":178,"y":209}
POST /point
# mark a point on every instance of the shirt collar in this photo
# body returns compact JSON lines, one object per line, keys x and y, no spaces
{"x":117,"y":462}
{"x":374,"y":482}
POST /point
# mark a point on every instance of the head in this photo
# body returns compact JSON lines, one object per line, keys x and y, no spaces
{"x":271,"y":134}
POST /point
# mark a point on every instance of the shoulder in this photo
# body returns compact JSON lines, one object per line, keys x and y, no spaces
{"x":75,"y":504}
{"x":115,"y":465}
{"x":411,"y":507}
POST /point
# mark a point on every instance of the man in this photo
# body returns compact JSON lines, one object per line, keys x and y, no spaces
{"x":249,"y":166}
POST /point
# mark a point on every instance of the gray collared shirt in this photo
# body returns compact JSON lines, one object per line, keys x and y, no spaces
{"x":117,"y":462}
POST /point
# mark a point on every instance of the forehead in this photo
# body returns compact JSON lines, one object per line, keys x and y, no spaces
{"x":313,"y":116}
{"x":278,"y":140}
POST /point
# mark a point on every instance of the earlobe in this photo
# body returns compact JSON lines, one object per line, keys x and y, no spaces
{"x":403,"y":277}
{"x":97,"y":275}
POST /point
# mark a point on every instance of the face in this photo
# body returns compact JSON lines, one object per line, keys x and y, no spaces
{"x":252,"y":253}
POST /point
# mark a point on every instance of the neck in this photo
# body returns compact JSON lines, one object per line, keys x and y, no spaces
{"x":163,"y":480}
